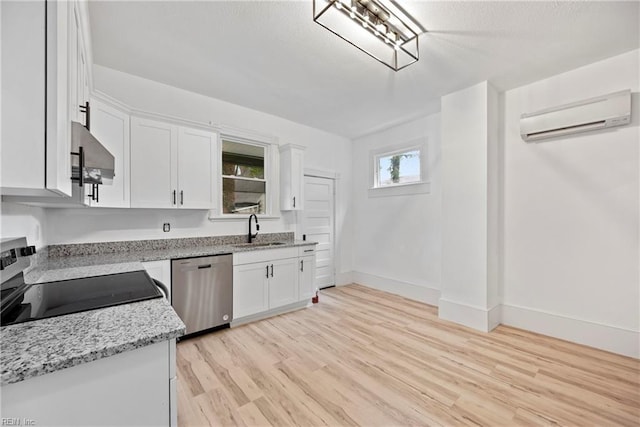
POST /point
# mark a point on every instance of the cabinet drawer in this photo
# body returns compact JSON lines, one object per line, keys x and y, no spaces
{"x":264,"y":255}
{"x":306,"y":250}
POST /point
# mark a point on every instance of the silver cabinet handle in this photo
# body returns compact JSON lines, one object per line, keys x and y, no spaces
{"x":302,"y":265}
{"x":267,"y":271}
{"x":271,"y":270}
{"x":181,"y":197}
{"x":294,"y":201}
{"x":174,"y":197}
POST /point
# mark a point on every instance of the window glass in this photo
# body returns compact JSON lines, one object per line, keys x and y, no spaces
{"x":244,"y":187}
{"x":398,"y":168}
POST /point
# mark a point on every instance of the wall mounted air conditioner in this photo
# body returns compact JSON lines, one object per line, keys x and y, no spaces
{"x":591,"y":114}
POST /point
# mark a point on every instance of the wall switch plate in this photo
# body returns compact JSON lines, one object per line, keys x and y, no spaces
{"x":166,"y":227}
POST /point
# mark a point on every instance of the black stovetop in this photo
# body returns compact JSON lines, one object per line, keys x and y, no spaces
{"x":24,"y":303}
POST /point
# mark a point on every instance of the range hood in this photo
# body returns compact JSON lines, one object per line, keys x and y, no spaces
{"x":91,"y":163}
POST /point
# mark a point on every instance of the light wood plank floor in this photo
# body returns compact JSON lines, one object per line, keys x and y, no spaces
{"x":365,"y":357}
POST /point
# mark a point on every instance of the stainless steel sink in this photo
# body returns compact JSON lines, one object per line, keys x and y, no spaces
{"x":258,"y":245}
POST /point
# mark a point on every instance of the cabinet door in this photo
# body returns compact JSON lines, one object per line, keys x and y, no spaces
{"x":153,"y":165}
{"x":111,"y":127}
{"x":73,"y":50}
{"x":126,"y":389}
{"x":250,"y":289}
{"x":291,"y":178}
{"x":297,"y":178}
{"x":283,"y":282}
{"x":35,"y":140}
{"x":196,"y":150}
{"x":306,"y":275}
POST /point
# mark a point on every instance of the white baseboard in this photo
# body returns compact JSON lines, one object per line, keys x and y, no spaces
{"x":344,"y":278}
{"x":474,"y":317}
{"x":605,"y":337}
{"x":422,"y":293}
{"x":494,"y":317}
{"x":270,"y":313}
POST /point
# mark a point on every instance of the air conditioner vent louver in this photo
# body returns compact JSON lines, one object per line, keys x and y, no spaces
{"x":591,"y":114}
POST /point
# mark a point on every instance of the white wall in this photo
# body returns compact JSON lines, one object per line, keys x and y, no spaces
{"x":571,"y":216}
{"x":324,"y":151}
{"x":23,"y":221}
{"x":397,"y":239}
{"x":469,"y":207}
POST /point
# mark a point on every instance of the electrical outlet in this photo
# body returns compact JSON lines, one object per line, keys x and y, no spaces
{"x":166,"y":227}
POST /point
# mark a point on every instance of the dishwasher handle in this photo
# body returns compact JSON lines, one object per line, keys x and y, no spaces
{"x":195,"y":267}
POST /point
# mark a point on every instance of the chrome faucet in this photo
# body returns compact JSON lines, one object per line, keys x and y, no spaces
{"x":252,"y":236}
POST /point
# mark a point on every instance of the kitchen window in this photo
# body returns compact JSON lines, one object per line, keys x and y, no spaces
{"x":399,"y":170}
{"x":244,"y":177}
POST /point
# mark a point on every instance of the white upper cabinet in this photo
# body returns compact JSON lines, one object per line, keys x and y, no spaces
{"x":78,"y":68}
{"x":291,"y":177}
{"x":111,"y":127}
{"x":196,"y":151}
{"x":153,"y":164}
{"x":171,"y":166}
{"x":35,"y":138}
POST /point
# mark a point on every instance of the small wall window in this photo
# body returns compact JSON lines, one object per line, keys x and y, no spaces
{"x":244,"y":183}
{"x":399,"y":170}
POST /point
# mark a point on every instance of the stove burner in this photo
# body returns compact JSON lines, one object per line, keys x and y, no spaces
{"x":23,"y":303}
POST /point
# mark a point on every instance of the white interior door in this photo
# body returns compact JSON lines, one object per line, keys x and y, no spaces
{"x":318,"y":225}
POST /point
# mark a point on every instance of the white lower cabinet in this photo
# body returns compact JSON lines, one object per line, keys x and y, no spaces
{"x":250,"y":289}
{"x":130,"y":388}
{"x":161,"y":271}
{"x":306,"y":285}
{"x":269,"y":279}
{"x":283,"y":282}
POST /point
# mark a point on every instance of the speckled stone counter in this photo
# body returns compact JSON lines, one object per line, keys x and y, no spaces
{"x":83,"y":260}
{"x":48,"y":345}
{"x":35,"y":348}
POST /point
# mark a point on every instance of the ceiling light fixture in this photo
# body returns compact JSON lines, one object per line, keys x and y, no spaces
{"x":379,"y":28}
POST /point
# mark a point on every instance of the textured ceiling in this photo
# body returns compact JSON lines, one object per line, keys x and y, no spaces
{"x":272,"y":57}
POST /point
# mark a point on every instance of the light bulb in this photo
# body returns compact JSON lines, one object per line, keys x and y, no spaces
{"x":352,"y":15}
{"x":377,"y":33}
{"x":366,"y":17}
{"x":338,"y":4}
{"x":364,"y":24}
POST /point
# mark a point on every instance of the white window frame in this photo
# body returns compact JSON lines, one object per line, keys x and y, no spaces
{"x":406,"y":188}
{"x":270,"y":166}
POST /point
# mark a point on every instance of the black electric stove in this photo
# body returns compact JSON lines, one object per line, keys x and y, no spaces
{"x":23,"y":303}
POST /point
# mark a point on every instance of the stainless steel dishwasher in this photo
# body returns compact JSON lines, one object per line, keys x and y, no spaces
{"x":202,"y":291}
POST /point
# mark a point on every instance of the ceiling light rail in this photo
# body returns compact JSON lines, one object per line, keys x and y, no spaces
{"x":380,"y":28}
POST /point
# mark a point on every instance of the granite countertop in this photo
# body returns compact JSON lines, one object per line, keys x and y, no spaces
{"x":39,"y":347}
{"x":36,"y":348}
{"x":49,"y":269}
